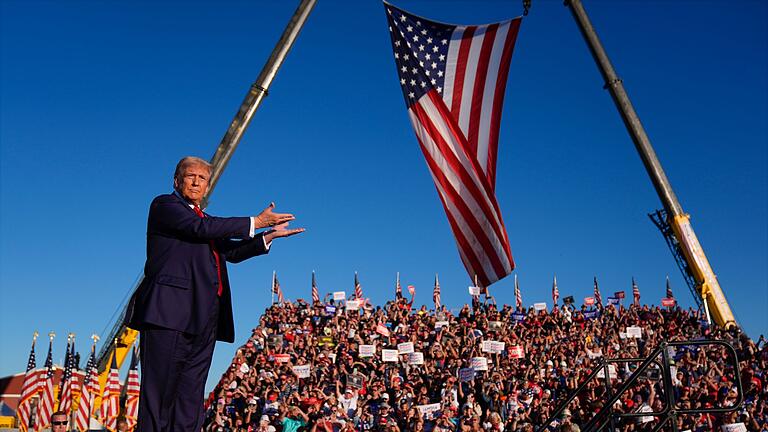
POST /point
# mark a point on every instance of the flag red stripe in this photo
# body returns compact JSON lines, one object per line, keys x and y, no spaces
{"x":498,"y":99}
{"x":479,"y":84}
{"x":461,"y":70}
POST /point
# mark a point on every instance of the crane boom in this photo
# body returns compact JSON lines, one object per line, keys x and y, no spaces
{"x":706,"y":283}
{"x":122,"y":338}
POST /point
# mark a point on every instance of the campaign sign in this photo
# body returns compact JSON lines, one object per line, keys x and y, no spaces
{"x":389,"y":355}
{"x":382,"y":330}
{"x":668,"y":302}
{"x":282,"y":358}
{"x":518,"y":316}
{"x":611,"y":372}
{"x":430,"y":411}
{"x":302,"y":371}
{"x":330,"y":310}
{"x":355,"y":381}
{"x":540,"y":306}
{"x":405,"y":347}
{"x":634,"y":332}
{"x":613,"y":301}
{"x":734,"y":427}
{"x":495,"y":325}
{"x":339,"y":295}
{"x":619,"y":294}
{"x":589,"y":301}
{"x":275,"y":340}
{"x":352,"y":305}
{"x":516,"y":352}
{"x":568,"y":300}
{"x":416,"y":358}
{"x":479,"y":363}
{"x":440,"y":324}
{"x":474,"y":291}
{"x":325,"y":340}
{"x":492,"y":347}
{"x":366,"y":350}
{"x":466,"y":374}
{"x":591,"y":314}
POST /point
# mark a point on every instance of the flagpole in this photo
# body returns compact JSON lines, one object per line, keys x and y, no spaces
{"x":274,"y":274}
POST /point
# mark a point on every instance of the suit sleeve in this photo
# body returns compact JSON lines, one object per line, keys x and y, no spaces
{"x":172,"y":217}
{"x":238,"y":251}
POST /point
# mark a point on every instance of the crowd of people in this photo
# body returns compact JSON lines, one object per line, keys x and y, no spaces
{"x":322,"y":367}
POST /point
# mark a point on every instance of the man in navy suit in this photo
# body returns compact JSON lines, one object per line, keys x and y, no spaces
{"x":183,"y":305}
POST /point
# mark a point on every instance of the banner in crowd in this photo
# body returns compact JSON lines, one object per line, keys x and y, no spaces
{"x":479,"y":363}
{"x":405,"y":347}
{"x":634,"y":332}
{"x":518,"y":316}
{"x":366,"y":350}
{"x":540,"y":306}
{"x":416,"y":358}
{"x":591,"y":314}
{"x":302,"y":371}
{"x":440,"y":324}
{"x":668,"y":302}
{"x":619,"y":294}
{"x":339,"y":295}
{"x":330,"y":310}
{"x":734,"y":427}
{"x":589,"y":301}
{"x":466,"y":374}
{"x":494,"y":347}
{"x":355,"y":381}
{"x":282,"y":358}
{"x":495,"y":325}
{"x":474,"y":291}
{"x":613,"y":301}
{"x":389,"y":355}
{"x":611,"y":372}
{"x":429,"y":411}
{"x":352,"y":305}
{"x":382,"y":330}
{"x":326,"y":341}
{"x":516,"y":352}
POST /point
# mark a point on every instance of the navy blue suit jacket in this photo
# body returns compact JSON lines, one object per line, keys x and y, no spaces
{"x":180,"y":282}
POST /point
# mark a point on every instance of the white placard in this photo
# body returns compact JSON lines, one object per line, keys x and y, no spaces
{"x":302,"y":371}
{"x":440,"y":324}
{"x":611,"y":372}
{"x":389,"y":355}
{"x":474,"y":291}
{"x":634,"y":332}
{"x":540,"y":306}
{"x":734,"y":427}
{"x":366,"y":350}
{"x":479,"y":363}
{"x":493,"y":347}
{"x":516,"y":352}
{"x":352,"y":305}
{"x":282,"y":358}
{"x":339,"y":295}
{"x":416,"y":358}
{"x":429,"y":411}
{"x":466,"y":374}
{"x":405,"y":347}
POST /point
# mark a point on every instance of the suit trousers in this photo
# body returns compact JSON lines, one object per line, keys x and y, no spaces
{"x":174,"y":368}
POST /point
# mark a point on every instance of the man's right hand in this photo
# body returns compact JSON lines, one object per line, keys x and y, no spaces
{"x":268,"y":218}
{"x":281,"y":231}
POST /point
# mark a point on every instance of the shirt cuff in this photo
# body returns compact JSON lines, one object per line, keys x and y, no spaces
{"x":252,"y":233}
{"x":266,"y":245}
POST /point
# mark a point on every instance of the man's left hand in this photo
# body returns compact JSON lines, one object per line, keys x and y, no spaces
{"x":281,"y":231}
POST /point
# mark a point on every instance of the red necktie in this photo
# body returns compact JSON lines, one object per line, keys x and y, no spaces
{"x":215,"y":254}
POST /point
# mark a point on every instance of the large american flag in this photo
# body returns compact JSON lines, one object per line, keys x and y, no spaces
{"x":47,"y":399}
{"x":518,"y":295}
{"x":358,"y":289}
{"x":598,"y":297}
{"x":315,"y":291}
{"x":436,"y":294}
{"x":669,"y":290}
{"x":110,"y":401}
{"x":132,"y":391}
{"x":276,"y":288}
{"x":65,"y":388}
{"x":90,"y":393}
{"x":453,"y":79}
{"x":28,"y":390}
{"x":635,"y":292}
{"x":555,"y":291}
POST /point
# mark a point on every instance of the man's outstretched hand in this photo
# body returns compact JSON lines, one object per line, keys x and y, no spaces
{"x":268,"y":218}
{"x":281,"y":231}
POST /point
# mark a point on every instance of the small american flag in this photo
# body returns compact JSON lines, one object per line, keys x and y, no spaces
{"x":555,"y":291}
{"x":518,"y":296}
{"x":669,"y":289}
{"x":398,"y":288}
{"x":358,"y":289}
{"x":412,"y":290}
{"x":635,"y":292}
{"x":436,"y":294}
{"x":453,"y":79}
{"x":89,"y":394}
{"x":315,"y":291}
{"x":132,"y":391}
{"x":65,"y":390}
{"x":45,"y":383}
{"x":28,"y":390}
{"x":276,"y":288}
{"x":110,"y":405}
{"x":598,"y":297}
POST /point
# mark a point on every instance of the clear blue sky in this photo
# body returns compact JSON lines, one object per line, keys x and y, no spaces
{"x":100,"y":99}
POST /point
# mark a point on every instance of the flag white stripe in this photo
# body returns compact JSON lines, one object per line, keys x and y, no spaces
{"x":469,"y":78}
{"x":450,"y":64}
{"x":433,"y":113}
{"x":488,"y":95}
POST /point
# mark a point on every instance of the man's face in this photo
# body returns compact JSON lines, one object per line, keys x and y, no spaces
{"x":58,"y":423}
{"x":193,"y":183}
